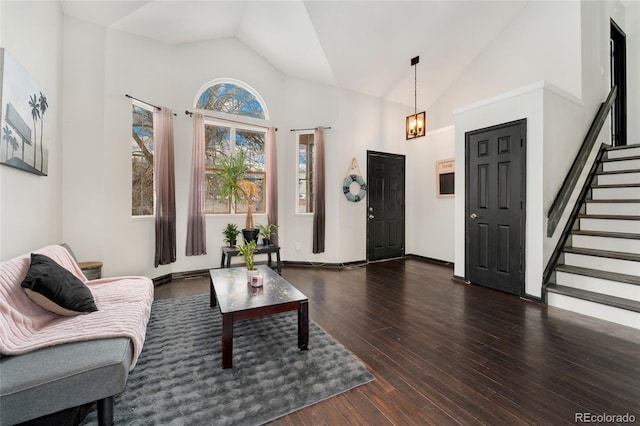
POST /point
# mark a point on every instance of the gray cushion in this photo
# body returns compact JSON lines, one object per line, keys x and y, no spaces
{"x":51,"y":379}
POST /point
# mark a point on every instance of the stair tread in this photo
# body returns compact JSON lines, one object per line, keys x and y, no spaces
{"x":617,"y":172}
{"x":603,"y":253}
{"x":623,"y":200}
{"x":604,"y":299}
{"x":617,"y":185}
{"x":596,"y":273}
{"x":630,"y":157}
{"x":619,"y":147}
{"x":625,"y":235}
{"x":607,"y":216}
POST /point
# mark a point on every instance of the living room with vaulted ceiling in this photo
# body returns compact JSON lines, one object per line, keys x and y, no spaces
{"x":90,"y":57}
{"x":440,"y":350}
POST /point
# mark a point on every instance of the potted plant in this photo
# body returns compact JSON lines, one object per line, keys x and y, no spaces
{"x":250,"y":232}
{"x":266,"y":231}
{"x":235,"y":187}
{"x":248,"y":250}
{"x":231,"y":234}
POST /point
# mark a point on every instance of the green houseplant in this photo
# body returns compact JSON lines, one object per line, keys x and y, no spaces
{"x":248,"y":250}
{"x":266,"y":231}
{"x":235,"y":187}
{"x":231,"y":234}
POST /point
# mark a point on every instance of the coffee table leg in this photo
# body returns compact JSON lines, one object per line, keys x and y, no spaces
{"x":212,"y":294}
{"x":278,"y":261}
{"x":303,"y":325}
{"x":227,"y":340}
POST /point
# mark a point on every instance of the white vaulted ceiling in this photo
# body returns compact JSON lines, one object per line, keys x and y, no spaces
{"x":365,"y":46}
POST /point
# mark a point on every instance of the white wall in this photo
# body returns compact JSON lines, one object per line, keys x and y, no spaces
{"x":365,"y":123}
{"x":431,"y":219}
{"x":98,"y":196}
{"x":98,"y":220}
{"x":562,"y":140}
{"x":633,"y":71}
{"x":31,"y":205}
{"x":308,"y":105}
{"x":141,"y":68}
{"x":83,"y":135}
{"x":595,"y":32}
{"x":541,"y":43}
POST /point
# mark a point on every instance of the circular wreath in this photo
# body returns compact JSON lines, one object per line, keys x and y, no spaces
{"x":346,"y":188}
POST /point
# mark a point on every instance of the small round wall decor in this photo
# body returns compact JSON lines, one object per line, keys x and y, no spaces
{"x":353,"y":186}
{"x":346,"y":188}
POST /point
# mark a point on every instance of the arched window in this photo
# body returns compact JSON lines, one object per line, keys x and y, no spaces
{"x":224,"y":137}
{"x":231,"y":97}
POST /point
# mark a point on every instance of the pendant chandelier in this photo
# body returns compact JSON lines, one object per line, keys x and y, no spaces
{"x":416,"y":123}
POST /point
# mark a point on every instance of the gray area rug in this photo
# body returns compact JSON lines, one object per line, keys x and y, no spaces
{"x":178,"y":379}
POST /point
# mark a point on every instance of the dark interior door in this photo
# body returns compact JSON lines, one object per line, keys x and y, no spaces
{"x":619,"y":78}
{"x":385,"y":205}
{"x":495,"y":207}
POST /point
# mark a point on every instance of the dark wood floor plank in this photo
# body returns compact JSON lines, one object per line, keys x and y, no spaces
{"x":447,"y":353}
{"x":365,"y":407}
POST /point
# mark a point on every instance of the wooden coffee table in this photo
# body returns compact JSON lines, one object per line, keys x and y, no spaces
{"x":237,"y":300}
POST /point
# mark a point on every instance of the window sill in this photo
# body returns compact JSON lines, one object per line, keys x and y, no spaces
{"x":143,"y":218}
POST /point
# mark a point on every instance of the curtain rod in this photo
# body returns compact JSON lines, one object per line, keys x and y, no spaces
{"x":189,"y":113}
{"x":312,"y":128}
{"x":145,"y":102}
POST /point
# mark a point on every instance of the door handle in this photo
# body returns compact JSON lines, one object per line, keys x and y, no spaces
{"x":473,"y":216}
{"x":371,"y":216}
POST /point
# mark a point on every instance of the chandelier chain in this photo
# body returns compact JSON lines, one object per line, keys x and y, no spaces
{"x":415,"y":89}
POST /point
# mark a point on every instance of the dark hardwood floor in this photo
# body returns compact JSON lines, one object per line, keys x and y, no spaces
{"x":446,"y":353}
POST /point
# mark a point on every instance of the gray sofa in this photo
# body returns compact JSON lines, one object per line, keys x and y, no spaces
{"x":49,"y":379}
{"x":52,"y":379}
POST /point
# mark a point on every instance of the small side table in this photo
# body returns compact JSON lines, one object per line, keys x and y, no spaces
{"x":229,"y":252}
{"x":92,"y":269}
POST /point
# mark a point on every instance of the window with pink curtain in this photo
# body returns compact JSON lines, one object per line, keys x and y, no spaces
{"x":272,"y":180}
{"x":318,"y":195}
{"x":196,"y":225}
{"x":165,"y":187}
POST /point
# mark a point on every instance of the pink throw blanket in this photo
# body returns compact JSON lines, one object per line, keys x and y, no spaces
{"x":124,"y":306}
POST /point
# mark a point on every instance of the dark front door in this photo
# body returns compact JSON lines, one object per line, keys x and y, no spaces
{"x":495,"y":207}
{"x":619,"y":78}
{"x":385,"y":205}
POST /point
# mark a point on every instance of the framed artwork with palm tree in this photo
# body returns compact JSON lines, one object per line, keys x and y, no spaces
{"x":23,"y":107}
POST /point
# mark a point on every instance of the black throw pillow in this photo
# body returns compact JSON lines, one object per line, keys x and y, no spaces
{"x":56,"y":289}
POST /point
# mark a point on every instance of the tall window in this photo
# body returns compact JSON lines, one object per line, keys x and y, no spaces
{"x":306,"y":151}
{"x":142,"y":190}
{"x":225,"y":138}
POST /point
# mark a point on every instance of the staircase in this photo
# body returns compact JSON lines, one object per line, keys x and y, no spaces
{"x":598,"y":273}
